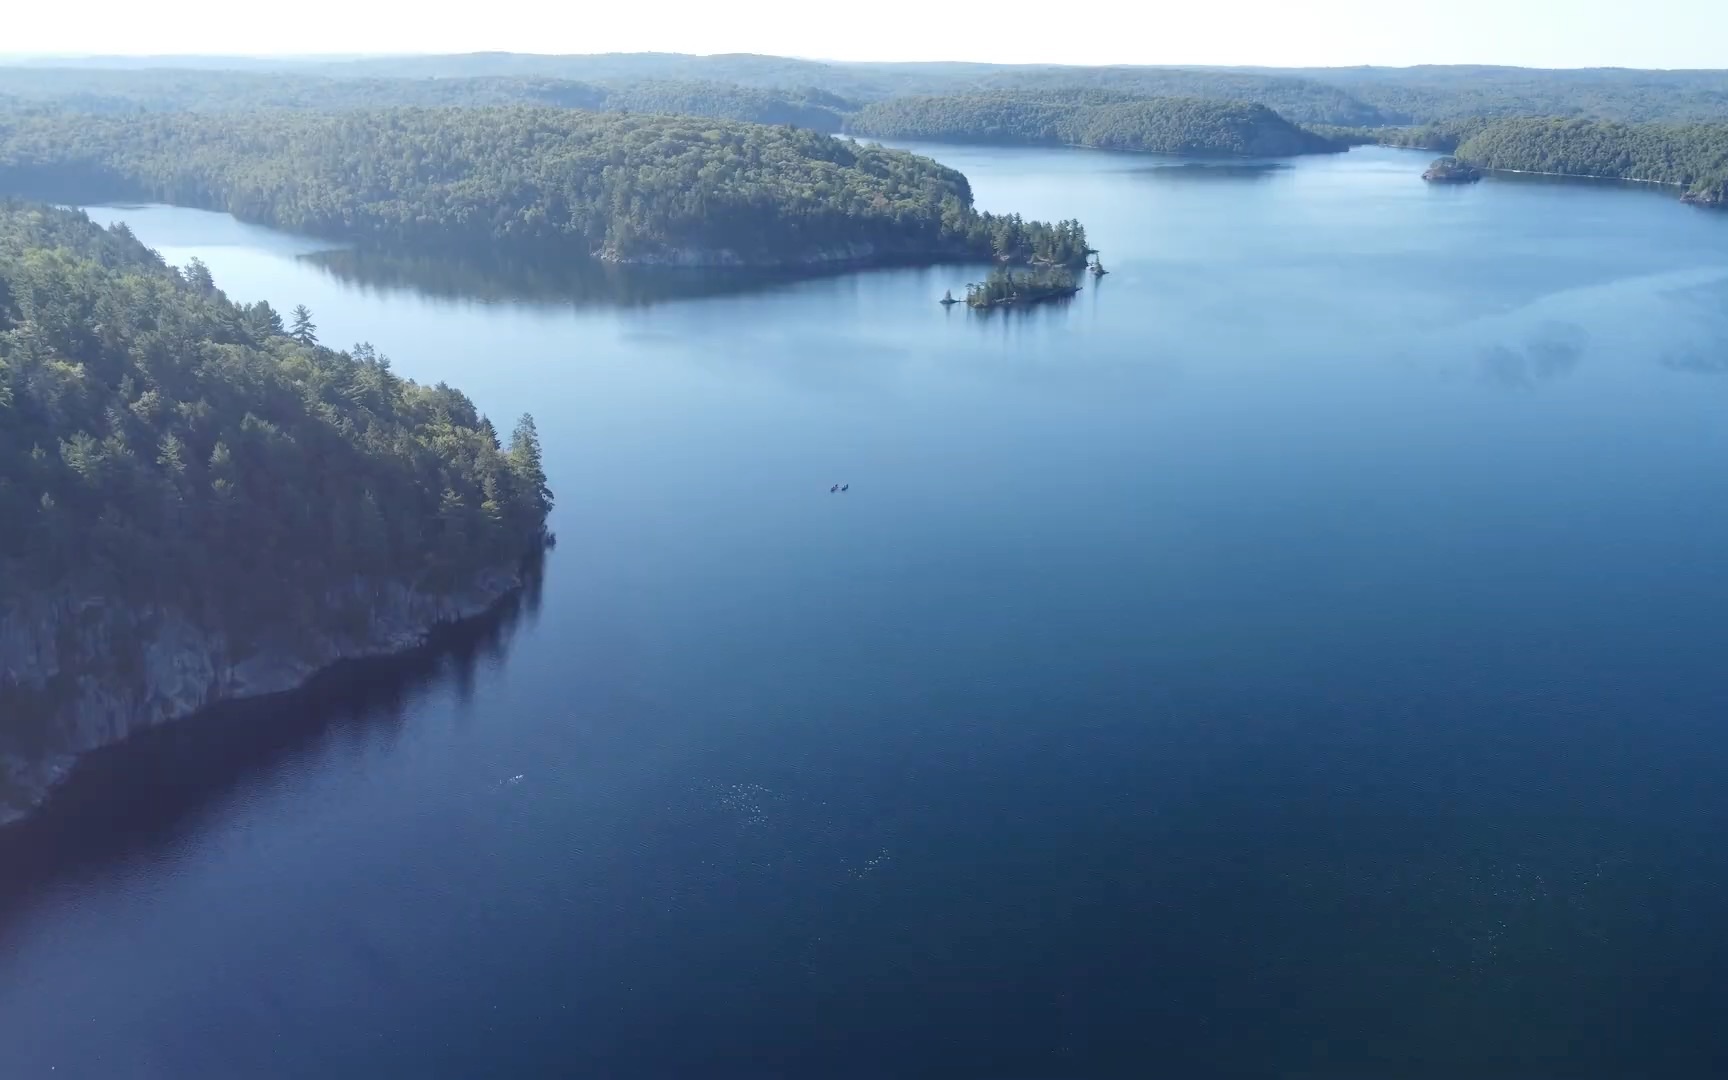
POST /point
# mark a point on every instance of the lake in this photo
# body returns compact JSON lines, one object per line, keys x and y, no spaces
{"x":1301,"y":654}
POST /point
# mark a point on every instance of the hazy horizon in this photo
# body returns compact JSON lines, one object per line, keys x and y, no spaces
{"x":150,"y":59}
{"x":1661,"y":34}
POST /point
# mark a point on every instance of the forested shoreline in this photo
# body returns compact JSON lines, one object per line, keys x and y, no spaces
{"x":1646,"y":125}
{"x":1095,"y":120}
{"x":123,"y":92}
{"x":159,"y":437}
{"x":1693,"y":157}
{"x":200,"y":502}
{"x":530,"y":181}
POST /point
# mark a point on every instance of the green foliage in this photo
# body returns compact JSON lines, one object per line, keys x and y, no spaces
{"x":768,"y":89}
{"x":1083,"y":118}
{"x":1418,"y":95}
{"x":157,"y":442}
{"x":1351,"y":97}
{"x":168,"y":90}
{"x":1444,"y":136}
{"x":100,"y":91}
{"x":1693,"y":155}
{"x":303,"y":329}
{"x":799,"y":108}
{"x":1021,"y":287}
{"x":528,"y":181}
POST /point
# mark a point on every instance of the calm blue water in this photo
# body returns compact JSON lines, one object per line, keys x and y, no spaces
{"x":1301,"y":655}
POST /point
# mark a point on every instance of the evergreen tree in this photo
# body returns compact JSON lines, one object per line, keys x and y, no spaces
{"x":303,"y":329}
{"x":528,"y":470}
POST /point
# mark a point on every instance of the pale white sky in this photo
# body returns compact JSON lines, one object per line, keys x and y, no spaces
{"x":1543,"y":33}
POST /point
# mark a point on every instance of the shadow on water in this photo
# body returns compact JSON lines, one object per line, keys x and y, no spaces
{"x":984,"y":317}
{"x":576,"y":283}
{"x":1695,"y":361}
{"x":133,"y":801}
{"x":1213,"y":170}
{"x":1553,"y":351}
{"x":1582,"y":183}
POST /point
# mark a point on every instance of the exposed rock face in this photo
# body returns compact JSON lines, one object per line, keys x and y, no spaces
{"x":1448,"y":170}
{"x":1716,"y":196}
{"x":78,"y":672}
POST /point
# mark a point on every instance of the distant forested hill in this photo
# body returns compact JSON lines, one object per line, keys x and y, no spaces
{"x":128,"y":91}
{"x":1089,"y":118}
{"x":800,"y":107}
{"x":1694,"y":156}
{"x":1419,"y":95}
{"x":779,"y":87}
{"x":1361,"y":96}
{"x":854,"y":81}
{"x":169,"y":90}
{"x":1301,"y":100}
{"x":532,"y":181}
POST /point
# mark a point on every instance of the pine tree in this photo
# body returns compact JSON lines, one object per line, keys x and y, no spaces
{"x":264,"y":321}
{"x":197,"y":274}
{"x":302,"y":329}
{"x":526,"y":466}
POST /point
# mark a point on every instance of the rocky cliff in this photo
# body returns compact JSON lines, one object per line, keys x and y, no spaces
{"x":79,"y":672}
{"x":1713,"y":194}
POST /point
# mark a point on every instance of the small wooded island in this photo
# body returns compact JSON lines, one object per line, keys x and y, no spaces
{"x":1005,"y":287}
{"x":1449,"y":170}
{"x":199,"y":502}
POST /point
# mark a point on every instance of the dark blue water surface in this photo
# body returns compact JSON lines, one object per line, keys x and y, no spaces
{"x":1301,"y":655}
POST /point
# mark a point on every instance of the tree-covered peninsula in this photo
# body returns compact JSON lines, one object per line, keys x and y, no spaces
{"x":1693,"y":157}
{"x":1092,"y":119}
{"x":535,"y":182}
{"x":198,"y":501}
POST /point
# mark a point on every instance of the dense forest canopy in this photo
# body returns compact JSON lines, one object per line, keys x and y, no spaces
{"x":552,"y":182}
{"x":1418,"y":95}
{"x":1092,"y":118}
{"x":1302,"y":100}
{"x":1345,"y":97}
{"x":171,"y":90}
{"x":162,"y":443}
{"x":1360,"y":96}
{"x":1694,"y":156}
{"x":1442,"y":135}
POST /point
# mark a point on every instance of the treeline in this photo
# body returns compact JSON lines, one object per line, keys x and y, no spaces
{"x":798,"y":107}
{"x":1343,"y":97}
{"x":536,"y":182}
{"x":171,"y":90}
{"x":1419,"y":95}
{"x":1090,"y":118}
{"x":1350,"y":97}
{"x":1444,"y":136}
{"x":160,"y":443}
{"x":103,"y":91}
{"x":1302,"y":100}
{"x":1694,"y":156}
